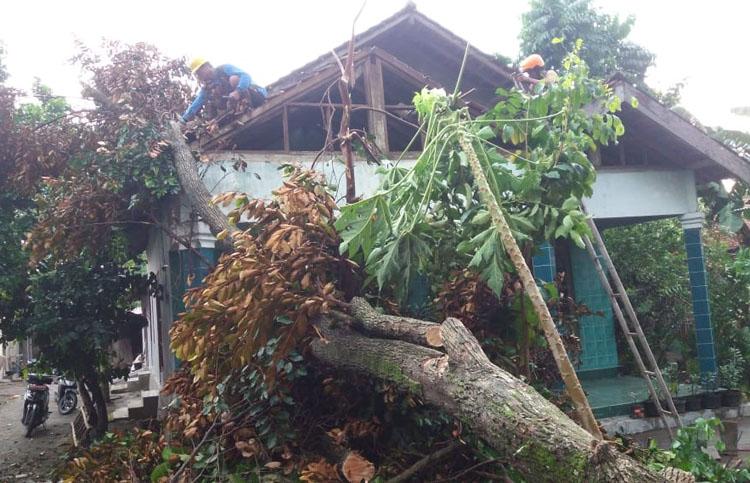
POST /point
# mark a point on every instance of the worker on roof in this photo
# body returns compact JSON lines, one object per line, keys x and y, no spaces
{"x":223,"y":88}
{"x":531,"y":72}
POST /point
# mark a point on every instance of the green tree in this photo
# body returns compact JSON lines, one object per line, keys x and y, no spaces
{"x":651,"y":260}
{"x":552,"y":27}
{"x":81,"y":307}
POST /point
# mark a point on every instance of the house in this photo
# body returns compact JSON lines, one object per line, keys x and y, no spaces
{"x":652,"y":173}
{"x":13,"y":356}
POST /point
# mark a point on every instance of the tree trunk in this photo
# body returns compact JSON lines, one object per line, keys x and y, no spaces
{"x":534,"y":436}
{"x":567,"y":372}
{"x":88,"y":404}
{"x":196,"y":192}
{"x":186,"y":167}
{"x":100,"y":418}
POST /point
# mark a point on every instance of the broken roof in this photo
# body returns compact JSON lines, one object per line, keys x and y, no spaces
{"x":431,"y":55}
{"x":417,"y":44}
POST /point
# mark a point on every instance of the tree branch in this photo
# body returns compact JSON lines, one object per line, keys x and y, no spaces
{"x":421,"y":464}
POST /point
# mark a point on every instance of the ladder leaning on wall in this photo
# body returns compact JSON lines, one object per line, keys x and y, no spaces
{"x":630,"y":326}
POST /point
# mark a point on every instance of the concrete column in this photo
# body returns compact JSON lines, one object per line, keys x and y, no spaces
{"x":704,"y":334}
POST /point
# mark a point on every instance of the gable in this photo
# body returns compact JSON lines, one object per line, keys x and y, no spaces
{"x":412,"y":51}
{"x":656,"y":135}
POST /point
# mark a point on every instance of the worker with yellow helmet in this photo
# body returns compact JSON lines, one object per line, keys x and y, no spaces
{"x":223,"y":86}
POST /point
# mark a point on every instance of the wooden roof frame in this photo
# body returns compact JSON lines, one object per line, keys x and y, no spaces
{"x":275,"y":103}
{"x":408,"y":14}
{"x":680,"y":128}
{"x":325,"y":69}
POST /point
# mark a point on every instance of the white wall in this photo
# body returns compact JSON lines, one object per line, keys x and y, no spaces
{"x":157,"y":253}
{"x":262,"y":175}
{"x":638,"y":193}
{"x":618,"y":192}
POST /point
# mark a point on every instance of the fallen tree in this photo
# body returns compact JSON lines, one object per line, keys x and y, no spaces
{"x":536,"y":438}
{"x":530,"y":433}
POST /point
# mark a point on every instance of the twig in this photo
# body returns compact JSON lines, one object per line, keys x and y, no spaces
{"x":184,"y":465}
{"x":468,"y":470}
{"x":422,"y":463}
{"x":461,"y":71}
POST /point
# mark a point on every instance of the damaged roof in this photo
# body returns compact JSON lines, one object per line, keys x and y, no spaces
{"x":407,"y":37}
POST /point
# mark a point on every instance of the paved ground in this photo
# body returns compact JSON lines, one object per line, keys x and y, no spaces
{"x":23,"y":459}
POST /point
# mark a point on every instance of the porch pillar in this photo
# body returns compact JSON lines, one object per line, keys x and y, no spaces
{"x":704,"y":335}
{"x":544,"y":263}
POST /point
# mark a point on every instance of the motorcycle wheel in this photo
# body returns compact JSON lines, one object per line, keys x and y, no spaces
{"x":67,"y":403}
{"x":31,"y":420}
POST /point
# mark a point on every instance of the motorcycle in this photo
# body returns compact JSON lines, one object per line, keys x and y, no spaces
{"x":36,"y":402}
{"x":66,"y":396}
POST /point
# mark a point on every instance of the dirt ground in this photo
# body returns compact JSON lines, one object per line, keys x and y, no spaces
{"x":29,"y":459}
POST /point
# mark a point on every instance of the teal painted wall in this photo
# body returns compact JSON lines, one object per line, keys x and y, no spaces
{"x":598,"y":345}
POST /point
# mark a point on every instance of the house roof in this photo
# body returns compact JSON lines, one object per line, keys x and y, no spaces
{"x":401,"y":23}
{"x":668,"y":132}
{"x":429,"y":54}
{"x":410,"y":40}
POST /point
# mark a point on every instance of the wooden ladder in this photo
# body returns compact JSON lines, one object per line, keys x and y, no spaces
{"x":629,"y":324}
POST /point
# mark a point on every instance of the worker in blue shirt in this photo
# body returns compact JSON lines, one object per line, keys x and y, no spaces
{"x":223,"y":88}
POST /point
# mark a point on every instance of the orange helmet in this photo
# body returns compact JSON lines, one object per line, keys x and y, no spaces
{"x":530,"y":62}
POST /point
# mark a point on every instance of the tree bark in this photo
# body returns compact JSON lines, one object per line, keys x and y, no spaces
{"x":404,"y":328}
{"x":186,"y":167}
{"x":95,"y":404}
{"x":537,"y":439}
{"x":196,"y":192}
{"x":567,"y":372}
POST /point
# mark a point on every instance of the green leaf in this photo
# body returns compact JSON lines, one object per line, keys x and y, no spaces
{"x":576,"y":237}
{"x":571,"y":204}
{"x":159,"y":472}
{"x":634,"y":102}
{"x":486,"y":133}
{"x":481,"y":218}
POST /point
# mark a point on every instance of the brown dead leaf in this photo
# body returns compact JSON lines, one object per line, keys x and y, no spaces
{"x":357,"y":469}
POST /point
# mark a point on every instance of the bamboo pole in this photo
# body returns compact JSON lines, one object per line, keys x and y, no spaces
{"x":567,"y":372}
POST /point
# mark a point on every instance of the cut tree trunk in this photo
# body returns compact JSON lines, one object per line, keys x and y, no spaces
{"x":186,"y":167}
{"x":532,"y":434}
{"x":196,"y":192}
{"x":567,"y":372}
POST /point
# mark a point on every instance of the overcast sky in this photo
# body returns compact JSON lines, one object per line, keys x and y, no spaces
{"x":700,"y":43}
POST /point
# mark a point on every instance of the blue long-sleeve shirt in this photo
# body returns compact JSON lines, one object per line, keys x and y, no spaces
{"x":228,"y":70}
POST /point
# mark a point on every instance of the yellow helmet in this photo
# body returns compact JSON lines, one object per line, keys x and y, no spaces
{"x":197,"y":63}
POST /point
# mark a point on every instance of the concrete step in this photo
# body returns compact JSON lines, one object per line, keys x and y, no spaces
{"x":119,"y":414}
{"x":139,"y":382}
{"x":145,"y":407}
{"x":118,"y":388}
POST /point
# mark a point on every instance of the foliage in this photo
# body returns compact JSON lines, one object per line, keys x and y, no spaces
{"x":729,"y":297}
{"x":284,"y":272}
{"x":118,"y":456}
{"x":552,"y":27}
{"x":47,"y":109}
{"x":651,"y":261}
{"x":688,"y":453}
{"x":81,"y":307}
{"x":731,"y":372}
{"x":97,"y":171}
{"x":17,"y":214}
{"x":727,"y":209}
{"x":428,"y":220}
